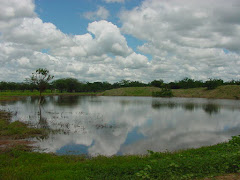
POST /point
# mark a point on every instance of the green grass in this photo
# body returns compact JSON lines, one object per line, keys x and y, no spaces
{"x":188,"y":164}
{"x":221,"y":92}
{"x":17,"y":129}
{"x":14,"y":95}
{"x":131,"y":91}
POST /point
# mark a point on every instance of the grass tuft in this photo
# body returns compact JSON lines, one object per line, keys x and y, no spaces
{"x":16,"y":130}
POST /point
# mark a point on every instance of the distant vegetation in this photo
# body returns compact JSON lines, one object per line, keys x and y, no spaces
{"x":221,"y":92}
{"x":72,"y":85}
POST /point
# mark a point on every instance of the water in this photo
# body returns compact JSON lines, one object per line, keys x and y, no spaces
{"x":127,"y":125}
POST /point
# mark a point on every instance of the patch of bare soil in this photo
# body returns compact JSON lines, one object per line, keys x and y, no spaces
{"x":11,"y":143}
{"x":235,"y":176}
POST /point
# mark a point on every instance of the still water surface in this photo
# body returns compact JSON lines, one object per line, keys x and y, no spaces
{"x":95,"y":125}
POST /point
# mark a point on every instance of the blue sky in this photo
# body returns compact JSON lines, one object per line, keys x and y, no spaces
{"x":111,"y":40}
{"x":69,"y":17}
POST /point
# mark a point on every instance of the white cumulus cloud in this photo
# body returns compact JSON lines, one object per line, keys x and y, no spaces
{"x":100,"y":14}
{"x":188,"y":37}
{"x":28,"y":43}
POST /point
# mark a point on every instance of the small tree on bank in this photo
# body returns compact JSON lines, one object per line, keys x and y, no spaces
{"x":40,"y":78}
{"x":165,"y":92}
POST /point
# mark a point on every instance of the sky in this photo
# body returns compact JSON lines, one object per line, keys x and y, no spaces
{"x":111,"y":40}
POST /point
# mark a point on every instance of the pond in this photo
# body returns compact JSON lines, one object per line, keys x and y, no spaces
{"x":96,"y":125}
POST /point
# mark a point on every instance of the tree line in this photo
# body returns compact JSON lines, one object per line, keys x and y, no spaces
{"x":74,"y":85}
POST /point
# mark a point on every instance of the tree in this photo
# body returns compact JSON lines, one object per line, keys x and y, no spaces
{"x":165,"y":92}
{"x":40,"y":78}
{"x":157,"y":83}
{"x":71,"y":84}
{"x":60,"y":84}
{"x":213,"y":83}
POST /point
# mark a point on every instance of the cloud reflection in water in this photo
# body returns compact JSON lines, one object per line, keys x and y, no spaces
{"x":128,"y":125}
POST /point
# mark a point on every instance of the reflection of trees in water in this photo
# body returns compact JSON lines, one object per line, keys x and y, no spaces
{"x":38,"y":100}
{"x":208,"y":108}
{"x":69,"y":101}
{"x":42,"y":120}
{"x":125,"y":102}
{"x":94,"y":100}
{"x":211,"y":109}
{"x":159,"y":105}
{"x":34,"y":99}
{"x":189,"y":106}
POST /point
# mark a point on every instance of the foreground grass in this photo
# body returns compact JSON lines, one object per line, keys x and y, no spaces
{"x":221,"y":92}
{"x":19,"y":162}
{"x":189,"y":164}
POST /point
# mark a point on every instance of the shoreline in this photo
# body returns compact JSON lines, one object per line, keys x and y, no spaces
{"x":218,"y":161}
{"x":222,"y":92}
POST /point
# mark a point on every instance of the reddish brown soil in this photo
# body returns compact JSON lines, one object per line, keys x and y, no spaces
{"x":11,"y":143}
{"x":235,"y":176}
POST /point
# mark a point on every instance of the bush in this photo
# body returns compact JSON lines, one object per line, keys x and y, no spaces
{"x":165,"y":92}
{"x":213,"y":83}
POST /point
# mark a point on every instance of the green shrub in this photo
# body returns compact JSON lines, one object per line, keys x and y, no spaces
{"x":213,"y":83}
{"x":165,"y":92}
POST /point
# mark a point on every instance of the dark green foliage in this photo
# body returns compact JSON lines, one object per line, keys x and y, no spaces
{"x":185,"y":83}
{"x":73,"y":85}
{"x":213,"y":83}
{"x":165,"y":92}
{"x":235,"y":141}
{"x":157,"y":83}
{"x":128,"y":83}
{"x":41,"y":78}
{"x":60,"y":84}
{"x":232,"y":82}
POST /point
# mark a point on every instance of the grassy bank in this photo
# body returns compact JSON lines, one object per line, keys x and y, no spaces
{"x":221,"y":92}
{"x":131,"y":91}
{"x":14,"y":95}
{"x":189,"y":164}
